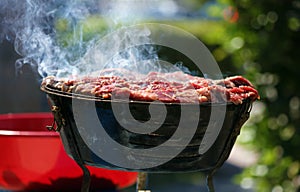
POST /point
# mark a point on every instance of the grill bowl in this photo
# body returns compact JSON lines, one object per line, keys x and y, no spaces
{"x":33,"y":158}
{"x":187,"y":160}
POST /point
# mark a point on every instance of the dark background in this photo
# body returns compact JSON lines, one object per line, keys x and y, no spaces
{"x":19,"y":88}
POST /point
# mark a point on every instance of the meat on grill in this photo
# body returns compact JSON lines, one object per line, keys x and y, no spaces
{"x":172,"y":87}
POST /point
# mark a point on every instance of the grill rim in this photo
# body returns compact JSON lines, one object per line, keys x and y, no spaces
{"x":53,"y":91}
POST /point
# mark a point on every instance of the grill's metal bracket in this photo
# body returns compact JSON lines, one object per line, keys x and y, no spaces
{"x":58,"y":118}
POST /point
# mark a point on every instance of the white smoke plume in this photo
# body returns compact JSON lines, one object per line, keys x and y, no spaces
{"x":32,"y":26}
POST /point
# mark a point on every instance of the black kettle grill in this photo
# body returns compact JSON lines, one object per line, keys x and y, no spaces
{"x":187,"y":160}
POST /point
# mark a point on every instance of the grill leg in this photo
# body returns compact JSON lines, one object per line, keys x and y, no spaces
{"x":209,"y":182}
{"x":86,"y":180}
{"x":142,"y":181}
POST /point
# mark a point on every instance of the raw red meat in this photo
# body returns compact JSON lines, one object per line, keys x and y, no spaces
{"x":172,"y":87}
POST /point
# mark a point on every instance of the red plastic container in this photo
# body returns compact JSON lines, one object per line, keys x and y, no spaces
{"x":33,"y":158}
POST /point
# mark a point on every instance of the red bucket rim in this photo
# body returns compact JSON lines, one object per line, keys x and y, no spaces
{"x":23,"y":116}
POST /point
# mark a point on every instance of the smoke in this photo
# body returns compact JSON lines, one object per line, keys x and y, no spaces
{"x":51,"y":36}
{"x":31,"y":26}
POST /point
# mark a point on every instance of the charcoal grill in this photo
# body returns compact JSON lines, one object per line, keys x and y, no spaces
{"x":187,"y":160}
